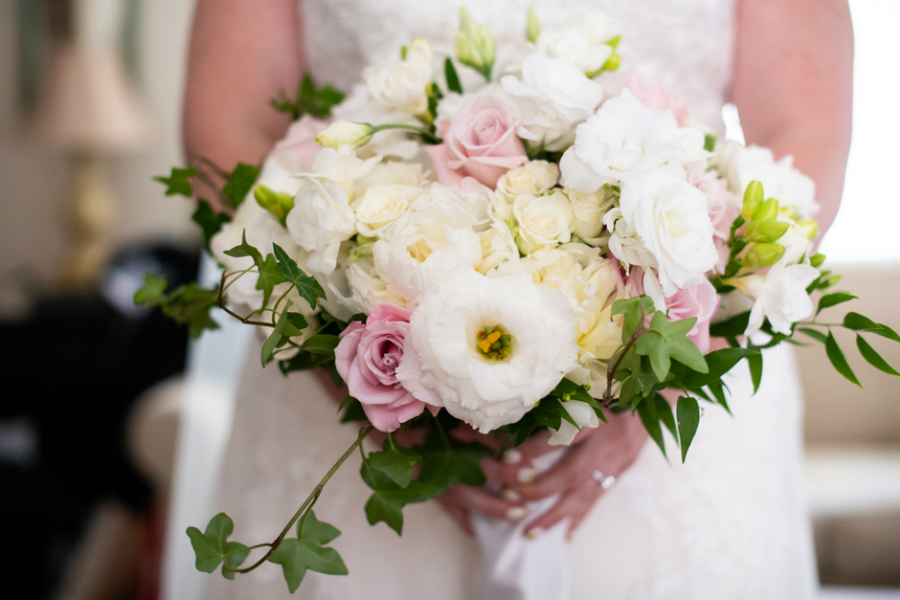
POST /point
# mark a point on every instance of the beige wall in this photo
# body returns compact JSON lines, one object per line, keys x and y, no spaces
{"x":33,"y":177}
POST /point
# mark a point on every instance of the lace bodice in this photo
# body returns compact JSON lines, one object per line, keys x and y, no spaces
{"x":685,"y":45}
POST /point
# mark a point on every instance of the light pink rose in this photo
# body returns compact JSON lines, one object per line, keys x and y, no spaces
{"x":700,"y":301}
{"x":367,"y":358}
{"x":480,"y":141}
{"x":722,"y":206}
{"x":658,"y":97}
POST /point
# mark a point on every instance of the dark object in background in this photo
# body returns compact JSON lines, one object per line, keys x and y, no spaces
{"x":70,"y":373}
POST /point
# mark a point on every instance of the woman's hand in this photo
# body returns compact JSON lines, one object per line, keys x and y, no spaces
{"x":609,"y":449}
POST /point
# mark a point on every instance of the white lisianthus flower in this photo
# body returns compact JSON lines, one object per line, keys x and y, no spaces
{"x":582,"y":44}
{"x":581,"y":413}
{"x":554,"y":97}
{"x":780,"y":296}
{"x":740,"y":165}
{"x":533,"y":178}
{"x":343,"y":167}
{"x":588,"y":210}
{"x":444,"y":358}
{"x":543,"y":221}
{"x":433,"y":239}
{"x":498,"y":249}
{"x":343,"y":132}
{"x":381,"y":206}
{"x":668,"y":228}
{"x":320,"y":221}
{"x":623,"y":138}
{"x":403,"y":84}
{"x":367,"y":289}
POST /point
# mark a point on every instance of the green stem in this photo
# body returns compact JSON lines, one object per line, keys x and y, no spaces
{"x":390,"y":438}
{"x":248,"y":548}
{"x":246,"y":320}
{"x":309,"y":503}
{"x":286,"y":292}
{"x":420,"y":130}
{"x":441,"y":432}
{"x":611,"y":371}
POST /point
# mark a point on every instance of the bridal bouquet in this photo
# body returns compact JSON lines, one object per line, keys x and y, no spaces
{"x":515,"y":237}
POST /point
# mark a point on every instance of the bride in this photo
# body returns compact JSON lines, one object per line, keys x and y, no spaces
{"x":728,"y":524}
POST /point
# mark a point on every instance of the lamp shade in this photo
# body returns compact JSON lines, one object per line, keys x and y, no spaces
{"x":88,"y":104}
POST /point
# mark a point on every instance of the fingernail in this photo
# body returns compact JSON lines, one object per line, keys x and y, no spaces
{"x":516,"y":514}
{"x":533,"y":533}
{"x":527,"y":474}
{"x":510,"y":495}
{"x":512,"y":457}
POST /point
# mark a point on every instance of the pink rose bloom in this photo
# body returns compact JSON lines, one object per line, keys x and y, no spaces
{"x":658,"y":97}
{"x":367,"y":358}
{"x":722,"y":206}
{"x":700,"y":301}
{"x":480,"y":141}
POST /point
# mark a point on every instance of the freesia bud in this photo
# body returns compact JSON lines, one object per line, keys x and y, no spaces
{"x":767,"y":211}
{"x":475,"y":46}
{"x":763,"y":255}
{"x":533,"y":29}
{"x":816,"y":260}
{"x":341,"y":133}
{"x":762,"y":231}
{"x":277,"y":203}
{"x":810,"y":228}
{"x":753,"y":197}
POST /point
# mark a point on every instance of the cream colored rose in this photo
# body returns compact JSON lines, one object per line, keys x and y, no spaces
{"x":543,"y":221}
{"x":498,"y":249}
{"x":381,"y":206}
{"x":588,"y":210}
{"x":403,"y":85}
{"x":534,"y":178}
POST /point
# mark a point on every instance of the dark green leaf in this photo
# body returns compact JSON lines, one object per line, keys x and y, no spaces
{"x":688,"y":419}
{"x":311,"y":100}
{"x":354,"y":412}
{"x":814,"y":334}
{"x":442,"y":468}
{"x":303,"y":361}
{"x":178,"y":182}
{"x":650,"y":419}
{"x":719,"y":362}
{"x":210,"y":221}
{"x":322,"y":344}
{"x":452,"y":78}
{"x":153,"y":292}
{"x":187,"y":304}
{"x":829,"y":300}
{"x":857,"y":322}
{"x":306,"y":286}
{"x":718,"y":391}
{"x":836,"y":356}
{"x":666,"y":340}
{"x":396,"y":463}
{"x":755,"y":362}
{"x":270,"y":275}
{"x":210,"y":546}
{"x":733,"y":327}
{"x":545,"y":418}
{"x":308,"y":552}
{"x":387,"y":502}
{"x":245,"y":249}
{"x":524,"y":428}
{"x":276,"y":338}
{"x":873,"y":357}
{"x":664,"y":410}
{"x":240,"y":183}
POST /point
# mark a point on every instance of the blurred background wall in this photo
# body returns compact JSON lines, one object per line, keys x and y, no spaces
{"x":108,"y":545}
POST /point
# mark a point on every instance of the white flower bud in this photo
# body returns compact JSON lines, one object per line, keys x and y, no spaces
{"x":341,"y":133}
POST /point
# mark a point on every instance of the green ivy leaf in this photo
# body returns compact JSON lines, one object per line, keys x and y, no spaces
{"x":240,"y":183}
{"x":873,"y":358}
{"x":235,"y":554}
{"x":270,"y":275}
{"x":210,"y":546}
{"x":836,"y":356}
{"x":245,"y":249}
{"x":188,"y":304}
{"x":306,"y":286}
{"x":665,"y":340}
{"x":308,"y":552}
{"x":276,"y":339}
{"x":311,"y":100}
{"x":396,"y":463}
{"x":153,"y":292}
{"x":210,"y":221}
{"x":387,"y":502}
{"x":442,"y":468}
{"x":830,"y":300}
{"x":452,"y":78}
{"x":634,"y":310}
{"x":688,"y":413}
{"x":178,"y":182}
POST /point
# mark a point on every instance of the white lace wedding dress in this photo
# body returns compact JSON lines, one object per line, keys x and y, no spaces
{"x":729,"y":524}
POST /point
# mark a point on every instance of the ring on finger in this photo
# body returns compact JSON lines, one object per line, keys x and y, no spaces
{"x":604,"y":481}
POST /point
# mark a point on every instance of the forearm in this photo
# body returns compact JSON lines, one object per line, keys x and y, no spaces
{"x":793,"y":87}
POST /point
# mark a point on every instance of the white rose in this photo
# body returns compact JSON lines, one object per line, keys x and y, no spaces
{"x":623,"y":138}
{"x":444,"y":365}
{"x":554,"y":97}
{"x":343,"y":167}
{"x":543,"y":221}
{"x":581,"y":413}
{"x":780,"y":180}
{"x":320,"y":221}
{"x":426,"y":243}
{"x":779,"y":296}
{"x":367,"y":289}
{"x":668,"y":228}
{"x":533,"y":178}
{"x":381,"y":206}
{"x":582,"y":44}
{"x":403,"y":84}
{"x":588,"y":210}
{"x":498,"y":249}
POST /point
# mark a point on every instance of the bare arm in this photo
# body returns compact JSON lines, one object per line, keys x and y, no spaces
{"x":241,"y":55}
{"x":793,"y":86}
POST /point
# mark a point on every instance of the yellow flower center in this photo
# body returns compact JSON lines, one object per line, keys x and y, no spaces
{"x":494,"y":343}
